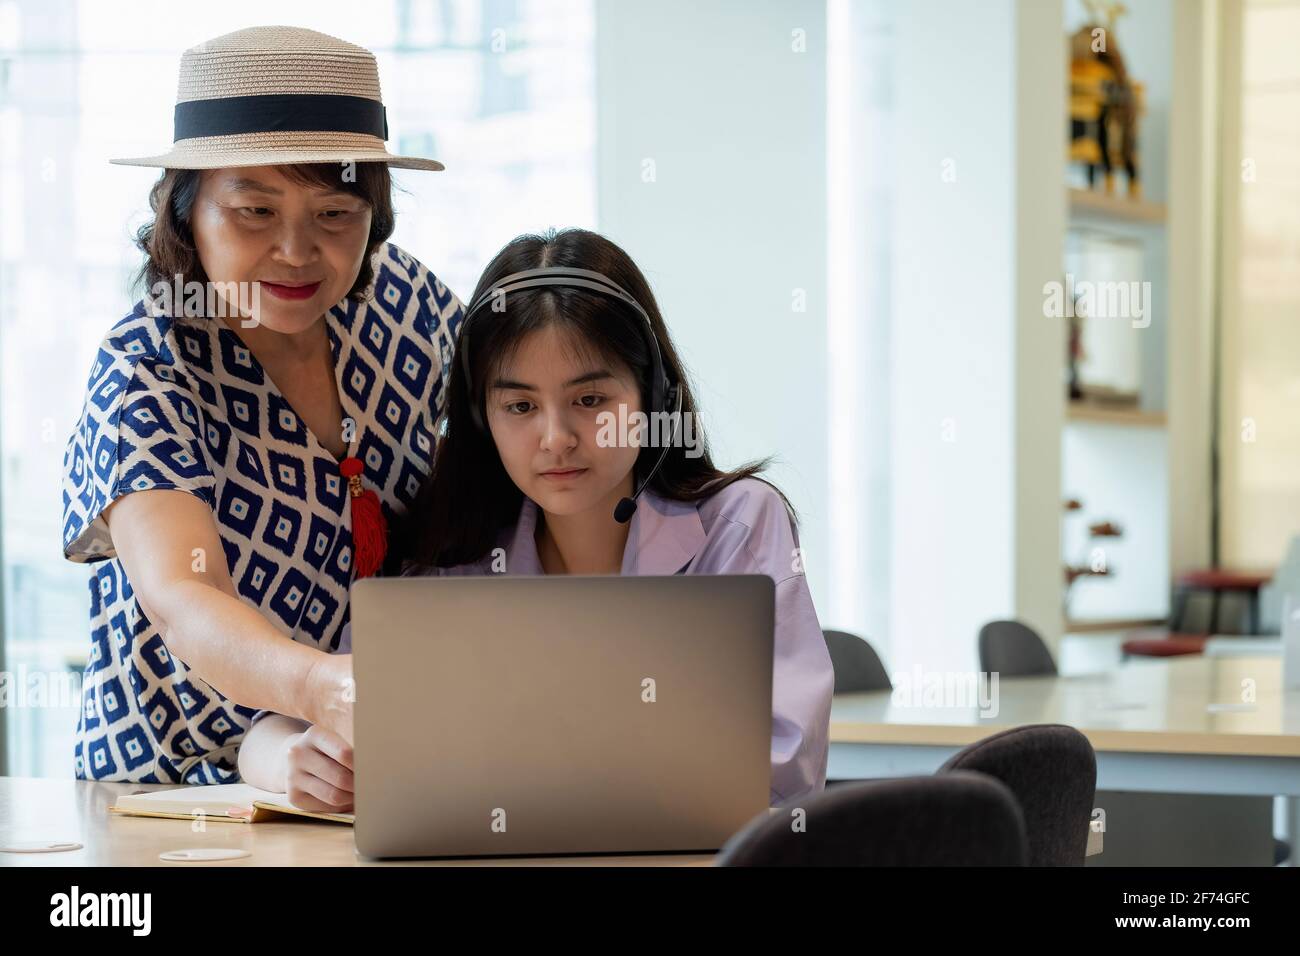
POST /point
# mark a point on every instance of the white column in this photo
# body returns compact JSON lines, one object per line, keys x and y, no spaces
{"x":1192,"y":230}
{"x":860,"y":189}
{"x":977,"y":372}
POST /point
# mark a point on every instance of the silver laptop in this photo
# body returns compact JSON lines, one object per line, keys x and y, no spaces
{"x":553,"y":715}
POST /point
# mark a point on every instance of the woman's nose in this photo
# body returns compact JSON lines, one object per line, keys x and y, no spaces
{"x":558,"y":434}
{"x":296,"y":243}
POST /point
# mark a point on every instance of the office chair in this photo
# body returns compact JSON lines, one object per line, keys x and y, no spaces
{"x":857,"y":666}
{"x":957,"y":819}
{"x":1012,"y":649}
{"x":1052,"y":771}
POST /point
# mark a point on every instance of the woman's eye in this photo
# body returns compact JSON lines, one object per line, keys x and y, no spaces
{"x":517,"y":408}
{"x":336,"y":214}
{"x":255,"y":212}
{"x":591,"y":401}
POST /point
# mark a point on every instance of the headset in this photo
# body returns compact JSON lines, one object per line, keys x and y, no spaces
{"x":663,"y":391}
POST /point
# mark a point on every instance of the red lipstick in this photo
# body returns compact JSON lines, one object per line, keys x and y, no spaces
{"x":291,"y":291}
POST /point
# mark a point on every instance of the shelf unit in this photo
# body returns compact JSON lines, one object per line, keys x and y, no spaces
{"x":1114,"y":457}
{"x":1089,"y":204}
{"x":1083,"y":411}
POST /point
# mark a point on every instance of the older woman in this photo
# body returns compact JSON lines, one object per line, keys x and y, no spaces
{"x":252,"y":423}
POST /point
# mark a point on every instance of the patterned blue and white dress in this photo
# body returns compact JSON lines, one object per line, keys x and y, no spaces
{"x":180,"y":403}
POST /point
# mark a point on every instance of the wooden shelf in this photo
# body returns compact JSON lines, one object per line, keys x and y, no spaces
{"x":1097,"y":205}
{"x":1113,"y":415}
{"x":1109,"y":626}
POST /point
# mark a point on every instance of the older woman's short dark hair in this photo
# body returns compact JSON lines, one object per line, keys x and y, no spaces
{"x":168,"y":242}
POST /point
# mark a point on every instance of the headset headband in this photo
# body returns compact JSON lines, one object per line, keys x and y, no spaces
{"x":660,"y":386}
{"x":559,"y":275}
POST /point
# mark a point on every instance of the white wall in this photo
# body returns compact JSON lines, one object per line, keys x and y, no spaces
{"x":977,"y":370}
{"x":736,"y":220}
{"x":734,"y":223}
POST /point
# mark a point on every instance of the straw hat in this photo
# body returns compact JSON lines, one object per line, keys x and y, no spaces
{"x":274,"y":95}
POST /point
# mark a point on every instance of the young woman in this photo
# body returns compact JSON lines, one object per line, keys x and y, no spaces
{"x":529,"y":476}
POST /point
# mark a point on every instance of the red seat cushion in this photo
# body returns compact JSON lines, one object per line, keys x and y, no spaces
{"x":1224,"y":579}
{"x":1170,"y":645}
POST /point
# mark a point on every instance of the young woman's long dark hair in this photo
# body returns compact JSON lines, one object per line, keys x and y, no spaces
{"x":469,"y":498}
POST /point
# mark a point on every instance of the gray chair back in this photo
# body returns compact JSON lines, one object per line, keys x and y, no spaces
{"x":1052,"y":770}
{"x":856,"y":664}
{"x":957,"y":819}
{"x":1012,"y":649}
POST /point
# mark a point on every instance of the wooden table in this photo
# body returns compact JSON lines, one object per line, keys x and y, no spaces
{"x":77,"y":810}
{"x":1232,"y":645}
{"x":1175,"y":725}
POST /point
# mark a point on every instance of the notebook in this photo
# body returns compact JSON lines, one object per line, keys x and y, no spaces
{"x":231,"y":802}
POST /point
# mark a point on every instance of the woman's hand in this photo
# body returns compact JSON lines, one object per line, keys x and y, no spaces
{"x":331,"y":694}
{"x":319,"y":771}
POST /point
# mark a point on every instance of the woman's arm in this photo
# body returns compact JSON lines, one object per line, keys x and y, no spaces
{"x":169,"y":545}
{"x":802,"y":684}
{"x":752,"y":534}
{"x":263,"y":753}
{"x":310,"y":764}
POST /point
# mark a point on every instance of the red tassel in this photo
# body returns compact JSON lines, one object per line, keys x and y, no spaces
{"x":369,"y":529}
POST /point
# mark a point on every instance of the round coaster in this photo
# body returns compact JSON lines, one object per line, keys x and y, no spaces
{"x":202,"y":855}
{"x":40,"y":846}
